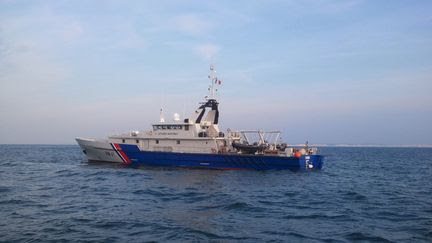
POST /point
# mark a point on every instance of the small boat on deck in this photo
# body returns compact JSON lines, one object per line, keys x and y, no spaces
{"x":198,"y":142}
{"x":246,"y":148}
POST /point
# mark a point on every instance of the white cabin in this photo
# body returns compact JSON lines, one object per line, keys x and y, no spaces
{"x":196,"y":135}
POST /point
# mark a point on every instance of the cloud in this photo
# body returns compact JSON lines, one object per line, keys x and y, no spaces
{"x":72,"y":31}
{"x":307,"y":7}
{"x":192,"y":24}
{"x":207,"y":51}
{"x":126,"y":36}
{"x":29,"y":43}
{"x":62,"y":64}
{"x":30,"y":73}
{"x":336,"y":6}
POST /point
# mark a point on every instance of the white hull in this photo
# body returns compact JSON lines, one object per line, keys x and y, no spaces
{"x":98,"y":150}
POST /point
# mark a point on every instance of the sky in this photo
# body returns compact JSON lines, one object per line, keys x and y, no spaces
{"x":326,"y":71}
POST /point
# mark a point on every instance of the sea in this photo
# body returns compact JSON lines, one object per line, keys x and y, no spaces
{"x":51,"y":193}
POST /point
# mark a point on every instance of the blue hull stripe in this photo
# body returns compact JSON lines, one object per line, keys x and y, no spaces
{"x":220,"y":161}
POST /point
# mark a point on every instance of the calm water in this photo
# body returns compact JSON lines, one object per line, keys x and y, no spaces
{"x":50,"y":193}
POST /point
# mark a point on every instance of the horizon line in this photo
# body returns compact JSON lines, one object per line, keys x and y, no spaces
{"x":294,"y":145}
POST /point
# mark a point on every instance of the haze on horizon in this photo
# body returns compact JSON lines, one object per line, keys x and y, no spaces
{"x":351,"y":71}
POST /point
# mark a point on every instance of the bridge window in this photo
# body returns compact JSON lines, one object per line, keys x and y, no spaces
{"x":157,"y":141}
{"x":178,"y":141}
{"x":137,"y":141}
{"x":123,"y":141}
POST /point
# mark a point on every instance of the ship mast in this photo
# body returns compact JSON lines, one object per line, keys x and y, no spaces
{"x":214,"y":82}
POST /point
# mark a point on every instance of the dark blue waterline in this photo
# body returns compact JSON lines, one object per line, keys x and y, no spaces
{"x":220,"y":161}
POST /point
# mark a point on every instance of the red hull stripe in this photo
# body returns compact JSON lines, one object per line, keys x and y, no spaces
{"x":126,"y":158}
{"x":117,"y":152}
{"x":122,"y":154}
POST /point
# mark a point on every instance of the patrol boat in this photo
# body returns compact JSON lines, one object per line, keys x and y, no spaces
{"x":198,"y":142}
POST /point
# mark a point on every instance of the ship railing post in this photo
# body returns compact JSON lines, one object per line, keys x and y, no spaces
{"x":261,"y":136}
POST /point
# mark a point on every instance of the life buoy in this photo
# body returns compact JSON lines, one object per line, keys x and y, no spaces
{"x":297,"y":154}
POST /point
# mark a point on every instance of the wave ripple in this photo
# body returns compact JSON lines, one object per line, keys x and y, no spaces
{"x":51,"y":193}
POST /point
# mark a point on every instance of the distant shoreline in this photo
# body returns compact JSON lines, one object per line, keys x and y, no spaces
{"x":368,"y":145}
